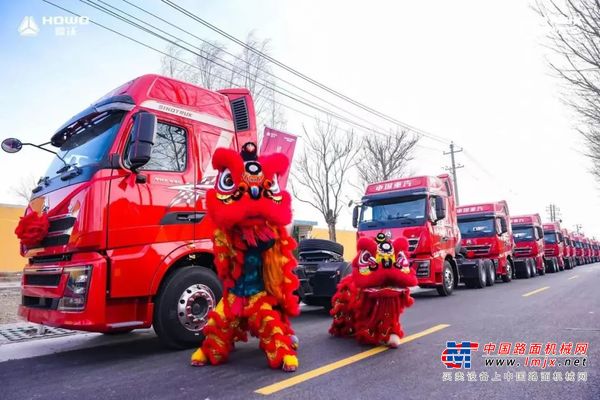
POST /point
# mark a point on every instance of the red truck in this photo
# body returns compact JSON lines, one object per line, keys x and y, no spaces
{"x":595,"y":250}
{"x":128,"y":245}
{"x":587,"y":250}
{"x":529,"y":245}
{"x":569,"y":250}
{"x":422,"y":209}
{"x":578,"y":244}
{"x":486,"y":233}
{"x":553,"y":247}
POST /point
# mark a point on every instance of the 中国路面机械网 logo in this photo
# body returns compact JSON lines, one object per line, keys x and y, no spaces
{"x":457,"y":355}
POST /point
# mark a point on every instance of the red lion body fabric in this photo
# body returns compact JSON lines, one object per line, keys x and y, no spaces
{"x":253,"y":257}
{"x":368,"y":302}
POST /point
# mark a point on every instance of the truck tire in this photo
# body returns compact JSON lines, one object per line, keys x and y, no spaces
{"x":526,"y":273}
{"x":532,"y":267}
{"x":448,"y":278}
{"x":491,"y":272}
{"x":320,"y":245}
{"x":509,"y":271}
{"x":182,"y":305}
{"x":480,"y":281}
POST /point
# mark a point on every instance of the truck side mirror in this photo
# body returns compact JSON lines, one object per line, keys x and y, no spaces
{"x":11,"y":145}
{"x":142,"y":139}
{"x":440,"y":208}
{"x":355,"y":217}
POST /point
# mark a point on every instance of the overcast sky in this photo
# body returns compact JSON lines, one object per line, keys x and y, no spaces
{"x":470,"y":71}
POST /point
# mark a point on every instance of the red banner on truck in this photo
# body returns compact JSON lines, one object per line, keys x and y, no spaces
{"x":275,"y":141}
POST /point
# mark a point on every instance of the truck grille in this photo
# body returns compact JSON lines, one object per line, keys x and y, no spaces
{"x":479,"y":249}
{"x":423,"y":270}
{"x":42,"y":279}
{"x":522,"y":251}
{"x":59,"y":231}
{"x":549,"y":252}
{"x":412,"y":244}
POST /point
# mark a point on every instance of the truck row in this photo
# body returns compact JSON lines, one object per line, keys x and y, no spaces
{"x":127,"y":245}
{"x":475,"y":244}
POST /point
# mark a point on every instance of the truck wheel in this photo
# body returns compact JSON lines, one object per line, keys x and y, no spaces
{"x":448,"y":278}
{"x":182,"y":306}
{"x":509,"y":271}
{"x":491,"y":272}
{"x":532,"y":267}
{"x":541,"y":271}
{"x":480,"y":281}
{"x":320,"y":245}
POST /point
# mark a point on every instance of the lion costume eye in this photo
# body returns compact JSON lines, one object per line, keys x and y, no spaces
{"x":225,"y":183}
{"x":365,"y":258}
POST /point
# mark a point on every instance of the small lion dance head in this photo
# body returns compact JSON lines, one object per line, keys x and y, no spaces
{"x":381,"y":267}
{"x":368,"y":302}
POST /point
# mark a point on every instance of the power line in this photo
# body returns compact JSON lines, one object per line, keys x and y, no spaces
{"x":265,"y":71}
{"x":263,"y":83}
{"x":301,"y":75}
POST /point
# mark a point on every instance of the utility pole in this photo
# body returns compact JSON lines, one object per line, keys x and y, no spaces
{"x":578,"y":227}
{"x":553,"y":212}
{"x":453,"y":168}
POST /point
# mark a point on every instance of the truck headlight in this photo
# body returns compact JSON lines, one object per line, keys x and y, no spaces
{"x":76,"y":291}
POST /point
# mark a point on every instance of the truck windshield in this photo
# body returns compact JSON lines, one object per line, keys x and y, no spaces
{"x":90,"y":144}
{"x":394,"y":212}
{"x":523,"y":234}
{"x":550,"y":237}
{"x":476,"y":227}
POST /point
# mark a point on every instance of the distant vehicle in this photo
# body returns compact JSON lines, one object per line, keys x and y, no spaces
{"x":423,"y":210}
{"x":587,"y":250}
{"x":487,"y":234}
{"x":569,"y":250}
{"x":595,"y":250}
{"x":320,"y":268}
{"x":553,"y":247}
{"x":578,"y":244}
{"x":528,"y":235}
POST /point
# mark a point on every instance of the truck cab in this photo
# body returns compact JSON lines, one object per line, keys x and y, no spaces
{"x":422,"y":209}
{"x":553,"y":247}
{"x":128,"y":244}
{"x":528,"y":235}
{"x":486,"y":233}
{"x":587,"y":250}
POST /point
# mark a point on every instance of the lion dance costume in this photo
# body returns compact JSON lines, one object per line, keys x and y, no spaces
{"x":368,"y":302}
{"x":253,"y":257}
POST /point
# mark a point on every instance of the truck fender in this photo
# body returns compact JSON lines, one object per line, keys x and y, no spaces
{"x":197,"y":248}
{"x":452,"y":262}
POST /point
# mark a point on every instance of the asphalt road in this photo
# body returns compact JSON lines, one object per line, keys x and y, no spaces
{"x":568,"y":310}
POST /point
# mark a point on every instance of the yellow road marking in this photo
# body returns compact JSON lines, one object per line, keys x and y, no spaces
{"x":286,"y":383}
{"x":573,"y":277}
{"x":536,"y":291}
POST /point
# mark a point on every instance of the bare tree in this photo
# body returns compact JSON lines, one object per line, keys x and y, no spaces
{"x":322,"y":170}
{"x":386,"y":157}
{"x":210,"y":73}
{"x":22,"y":190}
{"x":214,"y":68}
{"x":170,"y":64}
{"x":574,"y":33}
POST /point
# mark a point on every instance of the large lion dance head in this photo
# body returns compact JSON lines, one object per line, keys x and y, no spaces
{"x":247,"y":191}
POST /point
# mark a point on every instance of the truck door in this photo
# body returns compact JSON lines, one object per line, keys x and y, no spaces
{"x":154,"y":212}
